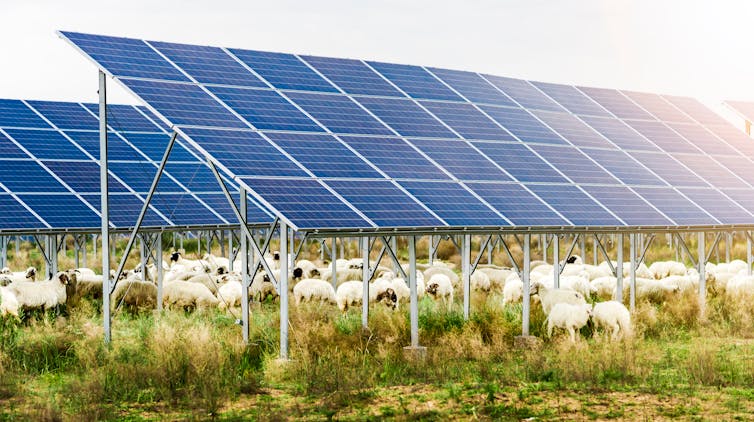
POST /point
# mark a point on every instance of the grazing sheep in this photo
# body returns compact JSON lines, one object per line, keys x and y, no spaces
{"x":604,"y":286}
{"x":343,"y":274}
{"x":455,"y":280}
{"x":550,"y":297}
{"x":403,"y":290}
{"x":740,"y":286}
{"x":382,"y":291}
{"x":136,"y":295}
{"x":513,"y":291}
{"x":612,"y":314}
{"x":262,"y":288}
{"x":177,"y":260}
{"x":664,"y":269}
{"x":595,"y":271}
{"x":216,"y":262}
{"x":480,"y":282}
{"x":29,"y":274}
{"x":578,"y":283}
{"x":313,"y":290}
{"x":43,"y":294}
{"x":349,"y":294}
{"x":308,"y":269}
{"x":568,"y":317}
{"x":187,"y":296}
{"x":439,"y":287}
{"x":210,"y":281}
{"x":651,"y":289}
{"x":497,"y":278}
{"x":682,"y":282}
{"x":8,"y":302}
{"x":230,"y":294}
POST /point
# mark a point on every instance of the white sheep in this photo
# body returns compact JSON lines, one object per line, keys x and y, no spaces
{"x":612,"y":314}
{"x":402,"y":289}
{"x":349,"y":294}
{"x":550,"y":297}
{"x":455,"y":280}
{"x":605,"y":286}
{"x":187,"y":296}
{"x":663,"y":269}
{"x":262,"y":288}
{"x":497,"y":278}
{"x":513,"y":291}
{"x":29,"y":274}
{"x":313,"y":290}
{"x":308,"y":269}
{"x":439,"y":287}
{"x":230,"y":294}
{"x":480,"y":281}
{"x":43,"y":294}
{"x":135,"y":294}
{"x":682,"y":282}
{"x":8,"y":302}
{"x":568,"y":317}
{"x":740,"y":285}
{"x":382,"y":290}
{"x":578,"y":283}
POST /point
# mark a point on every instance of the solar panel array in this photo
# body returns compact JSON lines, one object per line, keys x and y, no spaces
{"x":49,"y":171}
{"x":332,"y":143}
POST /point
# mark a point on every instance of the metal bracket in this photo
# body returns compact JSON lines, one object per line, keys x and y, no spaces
{"x":568,"y":254}
{"x":685,"y":248}
{"x":508,"y":252}
{"x":393,"y":257}
{"x":604,"y":253}
{"x":264,"y":249}
{"x":300,"y":247}
{"x":712,"y":247}
{"x":646,"y":248}
{"x":481,"y":252}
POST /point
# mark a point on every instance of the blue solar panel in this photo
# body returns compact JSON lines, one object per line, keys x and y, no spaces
{"x":227,"y":145}
{"x":195,"y":177}
{"x":734,"y":137}
{"x":339,"y":113}
{"x":467,"y":121}
{"x":662,"y":136}
{"x":184,"y":104}
{"x":265,"y":109}
{"x":28,"y":176}
{"x":125,"y":57}
{"x":152,"y":145}
{"x":518,"y":205}
{"x":744,"y":197}
{"x":454,"y":204}
{"x":117,"y":149}
{"x":675,"y":206}
{"x":395,"y":157}
{"x":657,"y":106}
{"x":154,"y":118}
{"x":461,"y":160}
{"x":125,"y":118}
{"x":323,"y":155}
{"x":572,"y":99}
{"x":125,"y":209}
{"x":668,"y":169}
{"x":208,"y":65}
{"x":14,"y":113}
{"x":283,"y":71}
{"x":415,"y":81}
{"x":62,"y":210}
{"x":306,"y":203}
{"x":15,"y":216}
{"x":574,"y":164}
{"x":616,"y":103}
{"x":218,"y":202}
{"x":737,"y":165}
{"x":47,"y":144}
{"x":405,"y":117}
{"x":139,"y":176}
{"x":573,"y":129}
{"x":710,"y":171}
{"x":353,"y":76}
{"x":703,"y":139}
{"x":619,"y":133}
{"x":83,"y":177}
{"x":66,"y":115}
{"x":628,"y":206}
{"x":384,"y":204}
{"x":725,"y":210}
{"x":472,"y":86}
{"x":520,"y":162}
{"x":10,"y":150}
{"x":624,"y":167}
{"x":522,"y":124}
{"x":696,"y":110}
{"x":185,"y":210}
{"x":524,"y":93}
{"x":576,"y":206}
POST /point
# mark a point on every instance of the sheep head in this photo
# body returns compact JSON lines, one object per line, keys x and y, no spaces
{"x":572,"y":259}
{"x":4,"y":281}
{"x":62,"y":278}
{"x":389,"y":298}
{"x":276,"y":256}
{"x":534,"y":289}
{"x":298,"y":272}
{"x":432,"y":288}
{"x":314,"y":273}
{"x":5,"y":270}
{"x":221,"y":270}
{"x":175,"y":256}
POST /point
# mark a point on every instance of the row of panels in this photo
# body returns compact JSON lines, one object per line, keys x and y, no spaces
{"x":49,"y":171}
{"x":385,"y":145}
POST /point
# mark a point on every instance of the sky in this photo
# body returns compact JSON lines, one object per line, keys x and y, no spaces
{"x":684,"y":47}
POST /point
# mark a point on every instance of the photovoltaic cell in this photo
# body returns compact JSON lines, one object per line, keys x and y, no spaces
{"x":619,"y":133}
{"x":576,"y":206}
{"x":125,"y":209}
{"x":153,"y":145}
{"x":734,"y":137}
{"x":616,"y":103}
{"x":10,"y":150}
{"x":739,"y":166}
{"x":744,"y":197}
{"x":472,"y":86}
{"x":15,"y":216}
{"x":415,"y":81}
{"x":184,"y":104}
{"x":125,"y":57}
{"x":572,"y":99}
{"x":66,"y":115}
{"x":384,"y":203}
{"x":676,"y":206}
{"x":209,"y":65}
{"x":722,"y":208}
{"x":323,"y":155}
{"x":524,"y":93}
{"x":139,"y":176}
{"x":339,"y":113}
{"x":195,"y":177}
{"x":226,"y":145}
{"x":657,"y":106}
{"x":710,"y":171}
{"x":117,"y":149}
{"x":573,"y":129}
{"x":522,"y":124}
{"x":219,"y":203}
{"x":520,"y":162}
{"x":148,"y":113}
{"x":662,"y":136}
{"x":185,"y":210}
{"x":352,"y":76}
{"x":574,"y":164}
{"x":696,"y":110}
{"x":83,"y":177}
{"x":628,"y":206}
{"x":62,"y":210}
{"x":306,"y":203}
{"x":283,"y":71}
{"x":467,"y":121}
{"x":668,"y":169}
{"x":461,"y":160}
{"x":624,"y":167}
{"x":125,"y":118}
{"x":395,"y":157}
{"x":454,"y":204}
{"x":28,"y":176}
{"x":14,"y":113}
{"x":405,"y":117}
{"x":703,"y":139}
{"x":517,"y":204}
{"x":266,"y":110}
{"x":46,"y":144}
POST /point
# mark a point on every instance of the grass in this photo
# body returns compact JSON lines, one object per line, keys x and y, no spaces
{"x":175,"y":365}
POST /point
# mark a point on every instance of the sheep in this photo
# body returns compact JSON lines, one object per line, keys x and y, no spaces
{"x":604,"y":286}
{"x":455,"y":280}
{"x":513,"y":291}
{"x":401,"y":288}
{"x":740,"y":286}
{"x":342,"y":274}
{"x":8,"y":302}
{"x":569,"y":317}
{"x":682,"y":282}
{"x":651,"y":289}
{"x":497,"y":278}
{"x":177,"y":259}
{"x":550,"y":297}
{"x":313,"y":290}
{"x":230,"y":294}
{"x":136,"y":295}
{"x":382,"y":291}
{"x":216,"y":262}
{"x":308,"y":269}
{"x":612,"y":314}
{"x":262,"y":288}
{"x":187,"y":296}
{"x":43,"y":294}
{"x":210,"y":281}
{"x":595,"y":271}
{"x":578,"y":283}
{"x":439,"y":287}
{"x":663,"y":269}
{"x":480,"y":282}
{"x":349,"y":294}
{"x":29,"y":274}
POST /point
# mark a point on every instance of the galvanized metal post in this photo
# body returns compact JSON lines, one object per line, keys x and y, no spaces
{"x":245,"y":277}
{"x":94,"y":246}
{"x":333,"y":264}
{"x":291,"y":250}
{"x":83,"y":257}
{"x":556,"y":260}
{"x":489,"y":252}
{"x":160,"y":271}
{"x":701,"y":261}
{"x":143,"y":257}
{"x":414,"y":298}
{"x":543,"y":246}
{"x":343,"y":248}
{"x":231,"y":254}
{"x":53,"y":254}
{"x":18,"y":246}
{"x":431,"y":249}
{"x":595,"y":257}
{"x":728,"y":241}
{"x":394,"y":247}
{"x":632,"y":270}
{"x":748,"y":252}
{"x":283,"y":284}
{"x":365,"y":279}
{"x":466,"y":274}
{"x":3,"y":251}
{"x":619,"y":270}
{"x":527,"y":288}
{"x":582,"y":246}
{"x":104,"y":206}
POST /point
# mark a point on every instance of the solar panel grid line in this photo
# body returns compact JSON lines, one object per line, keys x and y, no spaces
{"x":56,"y":128}
{"x":24,"y":204}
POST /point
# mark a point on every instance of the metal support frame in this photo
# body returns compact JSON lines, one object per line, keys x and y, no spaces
{"x":645,"y":247}
{"x":544,"y":242}
{"x":333,"y":264}
{"x":366,"y":276}
{"x":632,"y":270}
{"x":582,"y":248}
{"x":748,"y":252}
{"x":556,"y":260}
{"x":526,"y":309}
{"x":713,"y":248}
{"x":508,"y":252}
{"x":160,"y":270}
{"x":595,"y":242}
{"x":104,"y":205}
{"x":702,"y":261}
{"x":484,"y":246}
{"x":433,"y":248}
{"x":3,"y":251}
{"x":599,"y":246}
{"x":466,"y":274}
{"x":283,"y":290}
{"x":619,"y":270}
{"x":388,"y":242}
{"x":684,"y":247}
{"x":728,"y":242}
{"x":561,"y":267}
{"x":300,"y":247}
{"x":245,"y":277}
{"x":414,"y":298}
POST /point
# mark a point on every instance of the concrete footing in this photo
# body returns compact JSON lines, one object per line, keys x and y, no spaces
{"x":415,"y":352}
{"x":527,"y":343}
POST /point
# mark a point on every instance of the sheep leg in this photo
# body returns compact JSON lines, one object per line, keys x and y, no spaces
{"x":572,"y":333}
{"x":549,"y":329}
{"x":616,"y":329}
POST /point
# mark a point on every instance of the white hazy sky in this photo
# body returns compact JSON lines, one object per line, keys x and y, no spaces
{"x":687,"y":47}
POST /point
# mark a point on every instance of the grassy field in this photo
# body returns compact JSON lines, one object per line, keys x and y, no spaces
{"x":180,"y":366}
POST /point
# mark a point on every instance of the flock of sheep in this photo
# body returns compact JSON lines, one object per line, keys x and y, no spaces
{"x":206,"y":283}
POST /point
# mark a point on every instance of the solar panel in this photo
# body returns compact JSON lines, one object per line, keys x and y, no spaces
{"x":657,"y":106}
{"x":696,"y":110}
{"x":620,"y":134}
{"x":473,"y":87}
{"x":521,"y":162}
{"x":395,"y":157}
{"x":46,"y":144}
{"x":28,"y":176}
{"x":461,"y":160}
{"x":737,"y":165}
{"x":283,"y":71}
{"x":116,"y":147}
{"x":624,"y":167}
{"x":573,"y":129}
{"x":628,"y":206}
{"x":339,"y":113}
{"x":572,"y":99}
{"x":710,"y":171}
{"x":152,"y":145}
{"x":405,"y":117}
{"x":125,"y":209}
{"x":14,"y":113}
{"x":15,"y":216}
{"x":467,"y":121}
{"x":415,"y":81}
{"x":616,"y":103}
{"x":66,"y":116}
{"x":454,"y":204}
{"x":523,"y":125}
{"x":668,"y":169}
{"x":734,"y":137}
{"x":352,"y":76}
{"x":518,"y":205}
{"x":676,"y":206}
{"x":83,"y":176}
{"x":125,"y":118}
{"x":574,"y":164}
{"x":703,"y":139}
{"x":8,"y":149}
{"x":662,"y":136}
{"x":62,"y":210}
{"x":524,"y":93}
{"x":575,"y":205}
{"x":725,"y":210}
